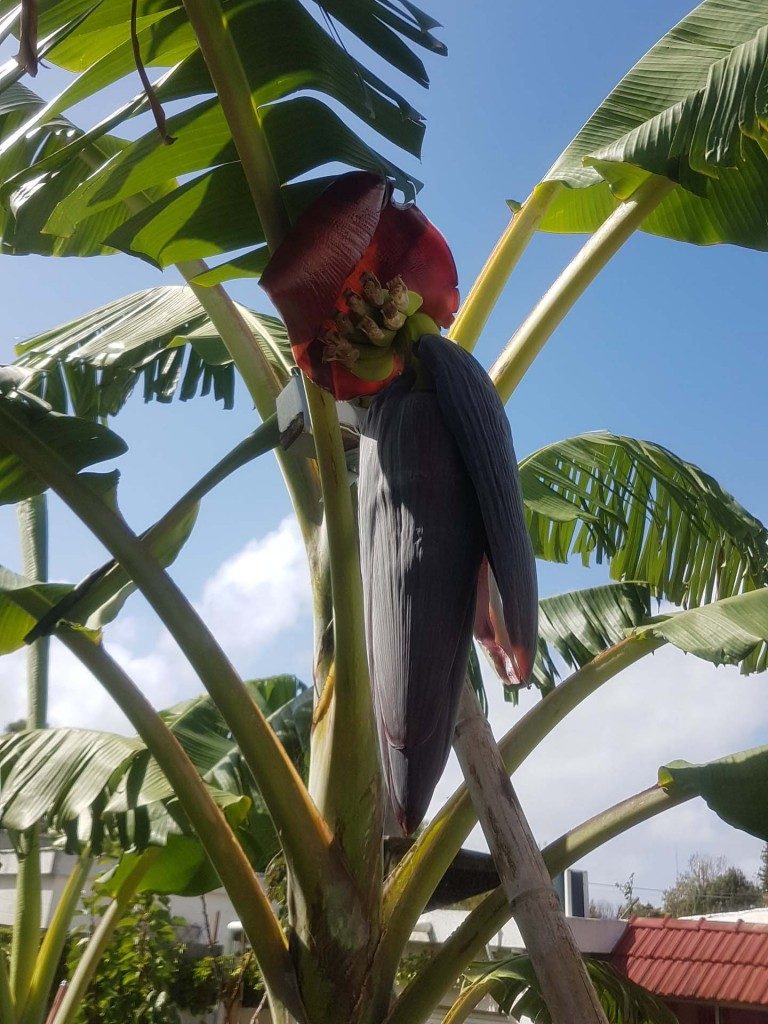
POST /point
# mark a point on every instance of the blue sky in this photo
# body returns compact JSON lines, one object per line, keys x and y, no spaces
{"x":668,"y":344}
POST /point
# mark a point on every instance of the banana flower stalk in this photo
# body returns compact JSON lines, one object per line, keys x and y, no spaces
{"x":364,"y":285}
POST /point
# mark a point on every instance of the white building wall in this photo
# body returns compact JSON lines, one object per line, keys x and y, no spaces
{"x":55,"y":868}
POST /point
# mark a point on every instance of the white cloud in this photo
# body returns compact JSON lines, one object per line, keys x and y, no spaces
{"x":13,"y":687}
{"x":259,"y":592}
{"x":254,"y":599}
{"x":74,"y":699}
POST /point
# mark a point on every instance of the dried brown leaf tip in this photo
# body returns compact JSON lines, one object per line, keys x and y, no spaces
{"x":27,"y":55}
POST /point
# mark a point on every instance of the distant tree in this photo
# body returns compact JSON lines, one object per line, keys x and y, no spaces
{"x":19,"y":725}
{"x":762,"y":872}
{"x":602,"y":909}
{"x":631,"y":905}
{"x":710,"y":886}
{"x":641,"y":909}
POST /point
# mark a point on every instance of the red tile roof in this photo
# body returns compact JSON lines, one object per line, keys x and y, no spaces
{"x":719,"y":961}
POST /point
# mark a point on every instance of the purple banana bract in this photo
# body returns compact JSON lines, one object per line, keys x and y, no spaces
{"x":438,"y":495}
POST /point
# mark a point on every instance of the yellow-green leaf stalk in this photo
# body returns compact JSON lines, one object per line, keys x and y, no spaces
{"x":492,"y":279}
{"x":550,"y":311}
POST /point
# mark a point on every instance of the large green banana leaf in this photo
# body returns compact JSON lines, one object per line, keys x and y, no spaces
{"x":102,"y":786}
{"x":726,"y":632}
{"x":582,"y":624}
{"x":78,"y":442}
{"x":654,"y":517}
{"x":58,"y":773}
{"x":693,"y":110}
{"x":199,"y":727}
{"x":68,"y":191}
{"x":25,"y":209}
{"x":161,"y":336}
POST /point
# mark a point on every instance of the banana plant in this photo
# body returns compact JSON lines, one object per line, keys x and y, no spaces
{"x":676,"y":149}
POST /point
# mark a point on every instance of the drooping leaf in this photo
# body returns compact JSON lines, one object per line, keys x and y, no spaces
{"x":692,"y":110}
{"x":369,"y":19}
{"x":161,"y":335}
{"x":654,"y":517}
{"x":726,"y":632}
{"x":78,"y":442}
{"x":198,"y":726}
{"x":735,"y":787}
{"x":22,"y":602}
{"x":181,"y":869}
{"x":24,"y":210}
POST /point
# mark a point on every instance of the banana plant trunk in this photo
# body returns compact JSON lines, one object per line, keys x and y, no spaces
{"x":33,"y":533}
{"x":567,"y":990}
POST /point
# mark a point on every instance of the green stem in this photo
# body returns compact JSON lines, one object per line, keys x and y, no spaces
{"x":416,"y":877}
{"x":28,"y":916}
{"x":263,"y":386}
{"x":467,"y":1001}
{"x":53,"y":944}
{"x":305,"y":837}
{"x":488,"y":918}
{"x":537,"y":328}
{"x":218,"y":840}
{"x":33,"y":530}
{"x":97,"y":944}
{"x":104,"y":582}
{"x":243,"y":117}
{"x":245,"y":122}
{"x":259,"y":377}
{"x":7,"y":1006}
{"x":490,"y":282}
{"x":336,"y":940}
{"x":349,"y":789}
{"x":606,"y":825}
{"x":300,"y":474}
